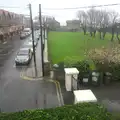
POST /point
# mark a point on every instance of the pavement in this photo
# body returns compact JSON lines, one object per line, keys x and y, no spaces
{"x":21,"y":95}
{"x":30,"y":71}
{"x":17,"y":93}
{"x":106,"y":95}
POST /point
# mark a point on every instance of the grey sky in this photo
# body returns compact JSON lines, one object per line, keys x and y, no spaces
{"x":60,"y":15}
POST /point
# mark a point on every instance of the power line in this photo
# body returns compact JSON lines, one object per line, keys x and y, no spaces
{"x":13,"y":7}
{"x":93,"y":6}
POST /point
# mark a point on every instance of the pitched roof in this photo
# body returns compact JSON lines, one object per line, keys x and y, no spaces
{"x":73,"y":21}
{"x":6,"y":13}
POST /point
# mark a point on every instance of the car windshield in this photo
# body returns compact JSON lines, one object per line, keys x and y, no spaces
{"x":27,"y":46}
{"x":26,"y":30}
{"x":22,"y":52}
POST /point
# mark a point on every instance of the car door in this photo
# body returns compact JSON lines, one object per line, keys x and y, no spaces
{"x":30,"y":54}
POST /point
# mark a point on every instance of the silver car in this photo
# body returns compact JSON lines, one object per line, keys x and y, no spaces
{"x":23,"y":57}
{"x":29,"y":46}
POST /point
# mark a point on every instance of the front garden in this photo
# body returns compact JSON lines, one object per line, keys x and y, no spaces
{"x":87,"y":54}
{"x":84,"y":111}
{"x":68,"y":44}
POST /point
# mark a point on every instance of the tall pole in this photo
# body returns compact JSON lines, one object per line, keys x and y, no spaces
{"x":33,"y":39}
{"x":44,"y":33}
{"x":41,"y":34}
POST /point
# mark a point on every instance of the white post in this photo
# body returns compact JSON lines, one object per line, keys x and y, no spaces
{"x":69,"y":80}
{"x":75,"y":78}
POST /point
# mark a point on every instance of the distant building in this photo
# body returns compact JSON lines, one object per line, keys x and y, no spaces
{"x":52,"y":23}
{"x":48,"y":21}
{"x":73,"y":24}
{"x":10,"y":21}
{"x":26,"y":22}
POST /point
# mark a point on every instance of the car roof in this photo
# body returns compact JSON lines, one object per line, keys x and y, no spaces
{"x":24,"y":49}
{"x":28,"y":43}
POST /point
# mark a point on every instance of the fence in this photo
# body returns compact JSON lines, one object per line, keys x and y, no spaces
{"x":74,"y":83}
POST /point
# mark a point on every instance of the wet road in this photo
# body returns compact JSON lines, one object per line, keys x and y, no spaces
{"x":17,"y":94}
{"x":8,"y":71}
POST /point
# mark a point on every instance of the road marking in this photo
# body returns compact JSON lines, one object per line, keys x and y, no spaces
{"x":28,"y":78}
{"x":57,"y":84}
{"x":57,"y":91}
{"x":14,"y":66}
{"x":60,"y":92}
{"x":60,"y":96}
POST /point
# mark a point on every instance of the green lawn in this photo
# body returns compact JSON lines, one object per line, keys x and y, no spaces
{"x":67,"y":44}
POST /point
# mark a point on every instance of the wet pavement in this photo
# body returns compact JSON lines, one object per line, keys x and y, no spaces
{"x":17,"y":94}
{"x":106,"y":95}
{"x":20,"y":95}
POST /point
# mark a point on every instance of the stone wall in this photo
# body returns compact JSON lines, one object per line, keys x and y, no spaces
{"x":58,"y":75}
{"x":47,"y":68}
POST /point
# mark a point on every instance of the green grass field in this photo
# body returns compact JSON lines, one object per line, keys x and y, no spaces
{"x":67,"y":44}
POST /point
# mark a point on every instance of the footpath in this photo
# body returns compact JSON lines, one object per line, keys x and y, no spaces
{"x":47,"y":90}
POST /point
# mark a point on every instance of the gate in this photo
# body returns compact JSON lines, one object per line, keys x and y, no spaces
{"x":74,"y":83}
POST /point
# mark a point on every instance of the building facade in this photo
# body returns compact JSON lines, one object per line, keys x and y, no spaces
{"x":10,"y":22}
{"x":73,"y":24}
{"x":52,"y":23}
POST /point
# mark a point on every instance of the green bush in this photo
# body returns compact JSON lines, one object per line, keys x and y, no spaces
{"x":82,"y":65}
{"x":107,"y":60}
{"x":83,"y":111}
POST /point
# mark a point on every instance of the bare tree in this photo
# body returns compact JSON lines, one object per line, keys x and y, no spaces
{"x":113,"y":19}
{"x":83,"y":20}
{"x":93,"y":20}
{"x":99,"y":20}
{"x":104,"y":22}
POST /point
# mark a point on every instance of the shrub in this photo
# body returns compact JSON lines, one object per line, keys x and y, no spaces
{"x":83,"y":111}
{"x":106,"y":59}
{"x":82,"y":65}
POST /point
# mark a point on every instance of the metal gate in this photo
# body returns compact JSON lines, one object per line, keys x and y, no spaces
{"x":74,"y":83}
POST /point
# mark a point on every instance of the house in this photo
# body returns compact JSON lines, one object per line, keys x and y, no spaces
{"x":10,"y":23}
{"x":52,"y":23}
{"x":73,"y":24}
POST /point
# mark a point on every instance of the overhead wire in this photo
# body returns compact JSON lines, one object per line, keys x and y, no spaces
{"x":11,"y":7}
{"x":92,"y":6}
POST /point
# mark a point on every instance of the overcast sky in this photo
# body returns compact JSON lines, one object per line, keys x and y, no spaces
{"x":60,"y":15}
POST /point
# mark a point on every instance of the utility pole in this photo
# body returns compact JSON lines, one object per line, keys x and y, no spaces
{"x":33,"y":39}
{"x":40,"y":20}
{"x":44,"y":28}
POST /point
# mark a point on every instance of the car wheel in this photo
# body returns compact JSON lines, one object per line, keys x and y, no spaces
{"x":16,"y":64}
{"x":28,"y":62}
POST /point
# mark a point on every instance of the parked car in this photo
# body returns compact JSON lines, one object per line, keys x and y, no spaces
{"x":23,"y":57}
{"x":35,"y":42}
{"x":28,"y":45}
{"x":22,"y":35}
{"x":25,"y":33}
{"x":37,"y":35}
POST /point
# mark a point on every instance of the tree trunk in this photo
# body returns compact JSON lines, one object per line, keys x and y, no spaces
{"x":117,"y":35}
{"x":104,"y":33}
{"x":91,"y":34}
{"x":84,"y":30}
{"x":100,"y":34}
{"x":112,"y":34}
{"x":94,"y":33}
{"x":112,"y":37}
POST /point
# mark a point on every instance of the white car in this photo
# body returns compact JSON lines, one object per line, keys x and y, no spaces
{"x":23,"y":57}
{"x":28,"y":45}
{"x":35,"y":42}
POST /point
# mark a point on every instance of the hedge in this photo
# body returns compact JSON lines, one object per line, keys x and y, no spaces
{"x":84,"y":111}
